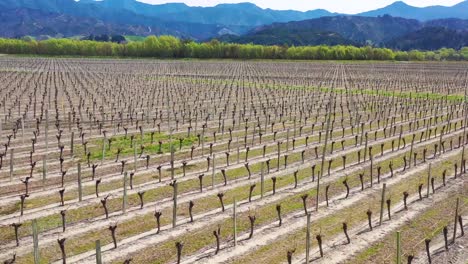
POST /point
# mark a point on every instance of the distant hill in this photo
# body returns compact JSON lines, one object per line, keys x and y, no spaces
{"x":175,"y":19}
{"x":242,"y":14}
{"x":351,"y":28}
{"x":29,"y":22}
{"x":431,"y":38}
{"x":248,"y":14}
{"x":91,"y":10}
{"x":385,"y":31}
{"x":401,"y":9}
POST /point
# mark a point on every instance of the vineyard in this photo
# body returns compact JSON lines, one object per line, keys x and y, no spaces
{"x":153,"y":161}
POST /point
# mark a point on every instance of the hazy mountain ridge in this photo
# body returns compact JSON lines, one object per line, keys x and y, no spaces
{"x":242,"y":14}
{"x":90,"y":9}
{"x":20,"y":22}
{"x":401,"y":9}
{"x":248,"y":14}
{"x":385,"y":31}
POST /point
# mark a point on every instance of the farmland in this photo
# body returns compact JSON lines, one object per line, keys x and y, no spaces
{"x":154,"y":161}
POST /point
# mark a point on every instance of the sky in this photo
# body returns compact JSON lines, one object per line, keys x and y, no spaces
{"x":341,"y":6}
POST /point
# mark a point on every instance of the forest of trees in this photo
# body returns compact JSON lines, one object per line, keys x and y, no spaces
{"x":172,"y":47}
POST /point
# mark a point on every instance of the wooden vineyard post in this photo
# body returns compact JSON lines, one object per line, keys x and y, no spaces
{"x":365,"y":147}
{"x":308,"y":239}
{"x":103,"y":150}
{"x":47,"y":130}
{"x":455,"y":221}
{"x":12,"y":154}
{"x":124,"y":200}
{"x":234,"y":218}
{"x":440,"y":139}
{"x":80,"y":190}
{"x":362,"y":133}
{"x":279,"y":153}
{"x":35,"y":241}
{"x":134,"y":158}
{"x":69,"y":121}
{"x":98,"y":252}
{"x":262,"y":182}
{"x":398,"y":242}
{"x":465,"y":111}
{"x":461,"y":161}
{"x":213,"y":171}
{"x":174,"y":209}
{"x":171,"y":149}
{"x":22,"y":130}
{"x":382,"y":203}
{"x":323,"y":152}
{"x":202,"y":141}
{"x":222,"y":129}
{"x":44,"y":170}
{"x":238,"y":151}
{"x":428,"y":180}
{"x":411,"y":151}
{"x":72,"y":143}
{"x":371,"y":171}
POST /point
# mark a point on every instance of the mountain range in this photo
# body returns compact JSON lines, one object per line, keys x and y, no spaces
{"x":400,"y":9}
{"x":243,"y":22}
{"x":383,"y":31}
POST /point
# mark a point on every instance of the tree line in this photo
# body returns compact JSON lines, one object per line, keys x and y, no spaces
{"x":172,"y":47}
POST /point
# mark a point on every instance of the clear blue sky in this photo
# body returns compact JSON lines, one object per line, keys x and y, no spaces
{"x":343,"y":6}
